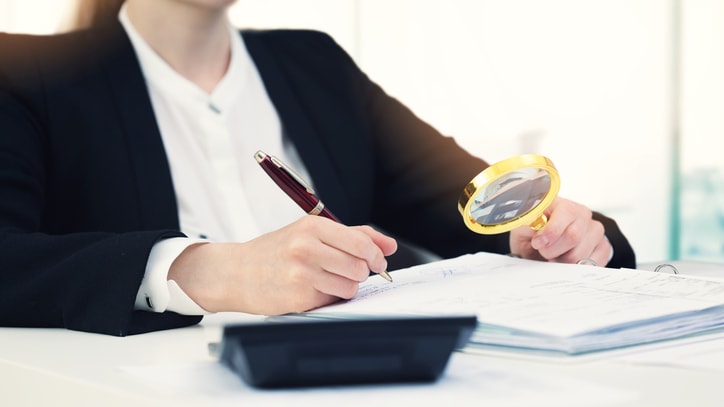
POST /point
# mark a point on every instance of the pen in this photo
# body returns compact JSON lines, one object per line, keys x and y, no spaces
{"x":297,"y":189}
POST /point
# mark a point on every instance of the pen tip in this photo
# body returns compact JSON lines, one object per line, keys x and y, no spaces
{"x":386,"y":276}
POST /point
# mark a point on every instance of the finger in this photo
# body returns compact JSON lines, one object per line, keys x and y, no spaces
{"x":567,"y":229}
{"x":335,"y":273}
{"x":357,"y":242}
{"x":603,"y":252}
{"x":306,"y":287}
{"x":387,"y":244}
{"x":560,"y":214}
{"x":520,"y":243}
{"x":338,"y":249}
{"x":311,"y":299}
{"x":336,"y":285}
{"x":572,"y":244}
{"x":583,"y":247}
{"x":339,"y":262}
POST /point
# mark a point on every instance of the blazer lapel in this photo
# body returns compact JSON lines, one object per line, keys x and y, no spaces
{"x":157,"y":201}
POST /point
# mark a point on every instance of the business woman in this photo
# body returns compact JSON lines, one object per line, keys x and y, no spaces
{"x":131,"y":201}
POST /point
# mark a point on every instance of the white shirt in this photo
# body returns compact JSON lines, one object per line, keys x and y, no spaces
{"x":210,"y":140}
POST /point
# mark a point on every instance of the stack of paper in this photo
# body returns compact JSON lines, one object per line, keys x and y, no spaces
{"x":522,"y":304}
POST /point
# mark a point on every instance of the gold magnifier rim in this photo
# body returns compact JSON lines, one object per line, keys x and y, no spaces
{"x":495,"y":171}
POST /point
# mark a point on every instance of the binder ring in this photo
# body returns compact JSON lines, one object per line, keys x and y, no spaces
{"x":587,"y":261}
{"x":661,"y":267}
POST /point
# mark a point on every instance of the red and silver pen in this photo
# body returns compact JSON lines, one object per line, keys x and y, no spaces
{"x":297,"y":189}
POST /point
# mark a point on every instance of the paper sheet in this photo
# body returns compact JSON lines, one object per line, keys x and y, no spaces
{"x":546,"y":299}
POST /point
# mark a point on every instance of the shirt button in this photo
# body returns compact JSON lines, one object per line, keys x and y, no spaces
{"x":214,"y":108}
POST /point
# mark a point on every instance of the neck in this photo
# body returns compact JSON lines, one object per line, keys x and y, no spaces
{"x":192,"y":39}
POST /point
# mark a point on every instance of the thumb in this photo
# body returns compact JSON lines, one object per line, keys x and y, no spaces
{"x":520,"y":242}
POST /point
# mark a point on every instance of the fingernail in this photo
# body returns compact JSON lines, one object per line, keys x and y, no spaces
{"x":540,"y":242}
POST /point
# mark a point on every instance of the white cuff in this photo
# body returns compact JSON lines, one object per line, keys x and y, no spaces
{"x":181,"y":303}
{"x":157,"y":293}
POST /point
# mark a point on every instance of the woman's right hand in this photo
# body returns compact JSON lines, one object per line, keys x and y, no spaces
{"x":309,"y":263}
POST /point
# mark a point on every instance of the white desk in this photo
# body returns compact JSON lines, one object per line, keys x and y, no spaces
{"x":174,"y":368}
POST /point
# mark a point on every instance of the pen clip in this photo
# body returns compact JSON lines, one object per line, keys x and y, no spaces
{"x":292,"y":174}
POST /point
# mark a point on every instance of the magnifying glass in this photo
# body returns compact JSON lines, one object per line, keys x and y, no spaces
{"x":510,"y":193}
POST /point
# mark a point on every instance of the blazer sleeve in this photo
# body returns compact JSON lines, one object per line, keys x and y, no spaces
{"x":82,"y":280}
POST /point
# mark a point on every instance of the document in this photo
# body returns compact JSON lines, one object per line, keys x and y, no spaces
{"x":544,"y":307}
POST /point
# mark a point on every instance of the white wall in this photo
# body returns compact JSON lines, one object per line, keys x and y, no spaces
{"x":586,"y":82}
{"x":337,"y":17}
{"x":702,"y":126}
{"x":703,"y":84}
{"x":33,"y":16}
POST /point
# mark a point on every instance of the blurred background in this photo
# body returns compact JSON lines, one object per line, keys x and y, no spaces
{"x":626,"y":97}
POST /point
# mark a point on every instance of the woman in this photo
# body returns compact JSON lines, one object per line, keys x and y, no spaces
{"x":131,"y":200}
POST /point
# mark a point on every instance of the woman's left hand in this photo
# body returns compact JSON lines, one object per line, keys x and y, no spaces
{"x":570,"y":235}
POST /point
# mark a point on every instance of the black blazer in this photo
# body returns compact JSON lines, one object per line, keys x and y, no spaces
{"x":85,"y":186}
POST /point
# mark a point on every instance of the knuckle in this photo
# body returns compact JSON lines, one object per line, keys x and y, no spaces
{"x":573,"y":235}
{"x":360,"y":270}
{"x":297,"y":277}
{"x":356,"y":270}
{"x":598,"y":228}
{"x":348,"y":289}
{"x":307,"y":223}
{"x":298,"y":249}
{"x":364,"y":248}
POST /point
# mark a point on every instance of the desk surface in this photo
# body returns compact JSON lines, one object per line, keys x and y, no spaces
{"x":175,"y":368}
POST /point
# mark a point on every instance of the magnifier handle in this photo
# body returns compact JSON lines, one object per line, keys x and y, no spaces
{"x":539,"y":223}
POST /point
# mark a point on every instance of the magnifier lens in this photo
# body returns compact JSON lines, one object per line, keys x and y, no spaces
{"x":509,"y":194}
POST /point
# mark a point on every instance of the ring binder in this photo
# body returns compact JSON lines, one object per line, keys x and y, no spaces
{"x":663,"y":266}
{"x":587,"y":261}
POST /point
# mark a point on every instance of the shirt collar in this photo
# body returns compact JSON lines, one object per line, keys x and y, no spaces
{"x":160,"y":74}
